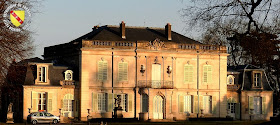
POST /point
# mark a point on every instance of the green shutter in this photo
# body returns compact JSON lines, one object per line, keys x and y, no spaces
{"x":214,"y":105}
{"x":120,"y":71}
{"x":130,"y":102}
{"x":209,"y":74}
{"x":205,"y":74}
{"x":110,"y":102}
{"x":34,"y":101}
{"x":251,"y":104}
{"x":195,"y":103}
{"x":264,"y":105}
{"x":181,"y":103}
{"x":50,"y":98}
{"x":237,"y":110}
{"x":188,"y":73}
{"x":94,"y":102}
{"x":105,"y":67}
{"x":125,"y":71}
{"x":100,"y":71}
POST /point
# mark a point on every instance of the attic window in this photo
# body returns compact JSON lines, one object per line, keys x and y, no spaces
{"x":230,"y":80}
{"x":68,"y":75}
{"x":257,"y":79}
{"x":42,"y":74}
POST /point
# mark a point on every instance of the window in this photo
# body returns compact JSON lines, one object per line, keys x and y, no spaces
{"x":188,"y":73}
{"x":230,"y":80}
{"x":42,"y":101}
{"x":188,"y":104}
{"x":123,"y":71}
{"x":42,"y":74}
{"x":257,"y":79}
{"x":68,"y":75}
{"x":257,"y":105}
{"x":145,"y":102}
{"x":102,"y":70}
{"x":207,"y":104}
{"x":207,"y":73}
{"x":231,"y":107}
{"x":101,"y":102}
{"x":124,"y":102}
{"x":68,"y":103}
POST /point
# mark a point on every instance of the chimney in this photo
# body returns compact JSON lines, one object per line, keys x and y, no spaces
{"x":122,"y":30}
{"x":168,"y":31}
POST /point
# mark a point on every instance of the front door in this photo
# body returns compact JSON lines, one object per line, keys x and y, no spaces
{"x":231,"y":108}
{"x":158,"y":107}
{"x":156,"y":72}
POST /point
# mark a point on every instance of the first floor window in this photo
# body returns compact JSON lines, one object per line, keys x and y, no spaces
{"x":257,"y":79}
{"x":42,"y":101}
{"x":101,"y":101}
{"x":42,"y":74}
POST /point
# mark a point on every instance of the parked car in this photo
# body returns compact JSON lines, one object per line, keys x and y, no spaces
{"x":42,"y":117}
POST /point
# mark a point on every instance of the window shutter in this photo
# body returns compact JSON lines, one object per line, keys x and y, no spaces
{"x":110,"y":102}
{"x":62,"y":107}
{"x":209,"y":74}
{"x":50,"y":100}
{"x":130,"y":102}
{"x":188,"y":73}
{"x":214,"y":104}
{"x":120,"y":71}
{"x":204,"y":73}
{"x":237,"y":110}
{"x":100,"y":71}
{"x":125,"y":71}
{"x":195,"y":103}
{"x":251,"y":104}
{"x":104,"y":70}
{"x":34,"y":101}
{"x":200,"y":103}
{"x":94,"y":102}
{"x":181,"y":103}
{"x":263,"y":105}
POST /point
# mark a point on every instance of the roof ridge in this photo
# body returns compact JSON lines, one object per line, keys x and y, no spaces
{"x":138,"y":27}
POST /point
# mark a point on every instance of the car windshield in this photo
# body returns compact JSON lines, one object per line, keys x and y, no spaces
{"x":48,"y":114}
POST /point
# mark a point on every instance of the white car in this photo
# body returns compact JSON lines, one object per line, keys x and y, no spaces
{"x":42,"y":117}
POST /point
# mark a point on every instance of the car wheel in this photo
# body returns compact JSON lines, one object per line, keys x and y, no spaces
{"x":34,"y":122}
{"x":55,"y":121}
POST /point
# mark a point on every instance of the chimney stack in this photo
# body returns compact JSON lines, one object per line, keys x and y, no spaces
{"x":122,"y":30}
{"x":168,"y":31}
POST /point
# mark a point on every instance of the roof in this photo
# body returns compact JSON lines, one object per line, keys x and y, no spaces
{"x":242,"y":67}
{"x":112,"y":33}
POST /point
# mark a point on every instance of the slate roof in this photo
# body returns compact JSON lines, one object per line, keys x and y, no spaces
{"x":112,"y":33}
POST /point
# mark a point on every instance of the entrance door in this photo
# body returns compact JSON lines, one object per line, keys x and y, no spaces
{"x":156,"y":72}
{"x":158,"y":107}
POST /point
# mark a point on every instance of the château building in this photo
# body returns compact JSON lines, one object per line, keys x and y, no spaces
{"x":159,"y":74}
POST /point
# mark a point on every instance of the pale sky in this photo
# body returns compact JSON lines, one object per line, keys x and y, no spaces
{"x":61,"y":21}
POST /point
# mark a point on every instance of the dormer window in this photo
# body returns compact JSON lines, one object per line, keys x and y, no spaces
{"x":42,"y":74}
{"x":68,"y":75}
{"x":257,"y":79}
{"x":230,"y":80}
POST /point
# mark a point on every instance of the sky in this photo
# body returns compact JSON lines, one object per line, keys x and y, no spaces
{"x":60,"y":21}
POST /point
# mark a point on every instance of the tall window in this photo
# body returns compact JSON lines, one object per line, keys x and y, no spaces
{"x":230,"y":80}
{"x":42,"y":101}
{"x":188,"y":104}
{"x":123,"y":71}
{"x":207,"y":104}
{"x":257,"y":79}
{"x":231,"y":107}
{"x":101,"y":101}
{"x":207,"y":73}
{"x":145,"y":102}
{"x":68,"y":102}
{"x":102,"y":70}
{"x":124,"y":99}
{"x":42,"y":74}
{"x":188,"y":73}
{"x":257,"y":105}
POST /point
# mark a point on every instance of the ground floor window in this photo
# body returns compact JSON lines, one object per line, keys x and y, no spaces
{"x":42,"y":102}
{"x":145,"y":103}
{"x":188,"y":104}
{"x":68,"y":108}
{"x":257,"y":105}
{"x":207,"y":104}
{"x":101,"y":101}
{"x":231,"y":107}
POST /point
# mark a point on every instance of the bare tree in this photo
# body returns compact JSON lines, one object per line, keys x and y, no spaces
{"x":13,"y":45}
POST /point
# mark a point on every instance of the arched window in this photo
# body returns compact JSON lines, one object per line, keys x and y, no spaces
{"x":230,"y":80}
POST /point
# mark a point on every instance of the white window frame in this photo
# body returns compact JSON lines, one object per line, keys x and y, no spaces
{"x":42,"y":74}
{"x":205,"y":104}
{"x":257,"y":80}
{"x":70,"y":72}
{"x":41,"y":105}
{"x":101,"y":102}
{"x":188,"y":104}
